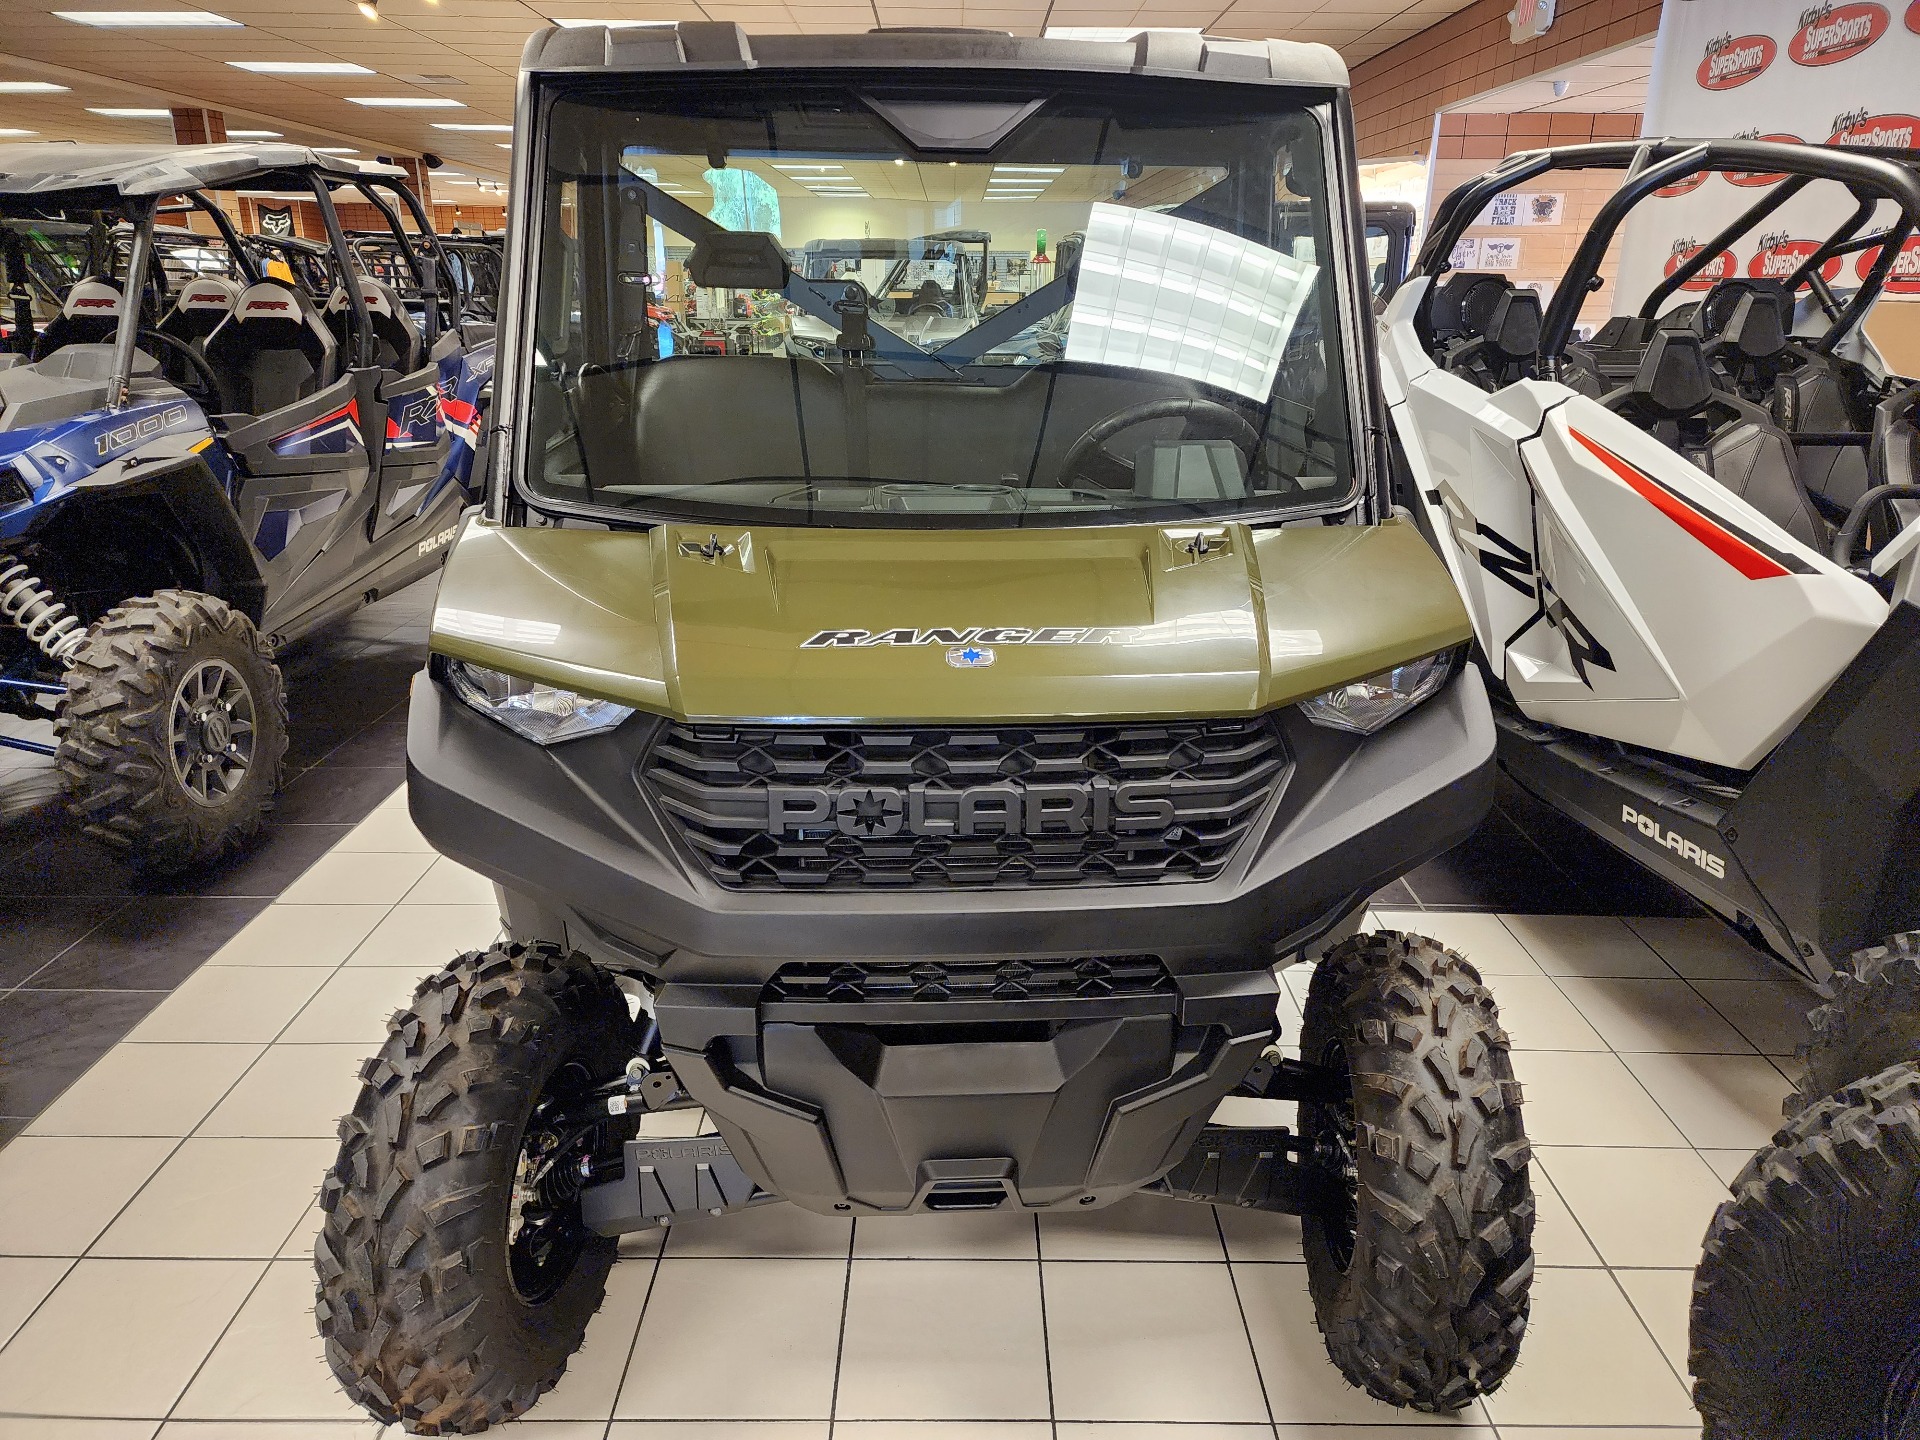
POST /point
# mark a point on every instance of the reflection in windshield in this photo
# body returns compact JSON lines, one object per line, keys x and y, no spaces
{"x":1115,"y":313}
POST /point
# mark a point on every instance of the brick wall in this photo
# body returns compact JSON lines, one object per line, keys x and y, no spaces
{"x":1469,"y":146}
{"x":1397,"y":93}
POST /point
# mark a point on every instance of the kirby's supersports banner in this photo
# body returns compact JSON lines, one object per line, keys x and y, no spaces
{"x":1785,"y":70}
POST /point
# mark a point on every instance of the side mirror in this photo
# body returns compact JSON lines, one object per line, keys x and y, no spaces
{"x":739,"y":260}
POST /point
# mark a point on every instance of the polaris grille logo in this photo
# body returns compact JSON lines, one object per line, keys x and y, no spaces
{"x":1669,"y":840}
{"x":1100,"y":806}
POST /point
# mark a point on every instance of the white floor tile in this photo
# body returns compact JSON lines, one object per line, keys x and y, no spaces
{"x":300,"y":935}
{"x":705,"y":1315}
{"x":271,"y":1363}
{"x":779,"y":1230}
{"x":1585,"y":1099}
{"x":1260,"y":1235}
{"x":1557,"y":1236}
{"x":1301,"y":1382}
{"x":1706,"y":950}
{"x":1727,"y":1164}
{"x":299,"y":1242}
{"x":57,"y":1194}
{"x":1069,"y":1430}
{"x":1141,"y":1227}
{"x":280,"y":1430}
{"x":352,"y":1008}
{"x":121,"y":1338}
{"x":357,"y":878}
{"x":586,"y":1392}
{"x":230,"y":1003}
{"x":943,"y":1340}
{"x":159,"y":1089}
{"x":1189,"y":1361}
{"x":221,"y":1199}
{"x":388,"y":829}
{"x":1665,"y":1016}
{"x":1596,"y":945}
{"x":952,"y":1430}
{"x":1725,"y":1102}
{"x":1587,"y":1360}
{"x":451,"y":883}
{"x":1486,"y":943}
{"x":40,"y":1427}
{"x":423,"y":938}
{"x":291,"y":1092}
{"x":715,"y":1430}
{"x":26,"y":1280}
{"x":1664,"y":1299}
{"x":1639,"y":1207}
{"x":1537,"y":1015}
{"x":1770,"y":1013}
{"x":960,"y":1235}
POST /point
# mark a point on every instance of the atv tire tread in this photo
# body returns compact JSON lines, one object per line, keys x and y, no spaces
{"x":1872,"y":1022}
{"x":112,"y":730}
{"x":415,"y":1302}
{"x":1805,"y":1307}
{"x":1431,"y":1309}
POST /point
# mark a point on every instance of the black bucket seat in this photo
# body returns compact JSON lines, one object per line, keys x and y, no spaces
{"x":88,"y":316}
{"x":272,"y":350}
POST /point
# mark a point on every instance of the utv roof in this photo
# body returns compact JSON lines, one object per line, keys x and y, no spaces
{"x":140,"y":171}
{"x":721,"y":45}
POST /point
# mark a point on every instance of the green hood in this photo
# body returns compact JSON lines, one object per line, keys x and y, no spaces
{"x":1108,"y":622}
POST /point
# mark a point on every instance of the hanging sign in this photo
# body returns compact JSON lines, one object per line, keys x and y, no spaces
{"x":274,"y":220}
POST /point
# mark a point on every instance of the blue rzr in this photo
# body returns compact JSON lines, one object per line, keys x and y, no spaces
{"x":203,"y":458}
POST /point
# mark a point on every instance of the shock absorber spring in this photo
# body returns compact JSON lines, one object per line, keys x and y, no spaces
{"x":31,"y":606}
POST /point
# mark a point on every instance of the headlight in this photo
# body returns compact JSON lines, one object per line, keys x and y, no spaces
{"x":1364,"y":706}
{"x":539,"y":713}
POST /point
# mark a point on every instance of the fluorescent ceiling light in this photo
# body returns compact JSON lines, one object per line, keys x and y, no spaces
{"x":577,"y":24}
{"x":30,"y":87}
{"x":1029,"y":169}
{"x":796,"y":165}
{"x":407,"y":102}
{"x":10,"y":130}
{"x":129,"y":112}
{"x":506,"y":147}
{"x":300,"y":67}
{"x":488,"y":129}
{"x":1115,"y":32}
{"x":333,"y":150}
{"x":149,"y":19}
{"x":255,"y":135}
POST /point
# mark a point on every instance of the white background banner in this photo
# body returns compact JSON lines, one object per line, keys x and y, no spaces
{"x":1825,"y":74}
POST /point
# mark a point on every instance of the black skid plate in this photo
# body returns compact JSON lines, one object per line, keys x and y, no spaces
{"x":1251,"y":1169}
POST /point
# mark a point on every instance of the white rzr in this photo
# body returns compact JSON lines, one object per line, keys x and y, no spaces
{"x":1694,"y":595}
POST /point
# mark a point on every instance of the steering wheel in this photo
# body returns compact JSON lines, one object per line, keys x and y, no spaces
{"x":929,"y":307}
{"x":1088,"y":456}
{"x":207,"y":382}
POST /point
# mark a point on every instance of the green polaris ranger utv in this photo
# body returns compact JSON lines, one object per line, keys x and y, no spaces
{"x":920,"y":756}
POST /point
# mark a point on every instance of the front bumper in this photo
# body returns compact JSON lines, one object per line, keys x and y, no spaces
{"x":934,"y":1103}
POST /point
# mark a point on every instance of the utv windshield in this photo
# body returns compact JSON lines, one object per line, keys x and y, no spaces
{"x":998,"y":306}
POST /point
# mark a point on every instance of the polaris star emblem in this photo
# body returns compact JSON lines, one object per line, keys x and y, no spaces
{"x":970,"y":657}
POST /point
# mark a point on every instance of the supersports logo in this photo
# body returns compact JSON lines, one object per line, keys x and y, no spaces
{"x":1830,"y":34}
{"x":1099,"y":806}
{"x":991,"y":635}
{"x":1862,"y":127}
{"x":1667,"y":840}
{"x":1732,"y":61}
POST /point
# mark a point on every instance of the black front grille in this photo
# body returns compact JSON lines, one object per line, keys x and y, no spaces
{"x":1089,"y":977}
{"x":779,"y":807}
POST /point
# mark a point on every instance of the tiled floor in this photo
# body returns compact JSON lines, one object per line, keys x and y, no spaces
{"x":90,"y":950}
{"x":156,"y":1217}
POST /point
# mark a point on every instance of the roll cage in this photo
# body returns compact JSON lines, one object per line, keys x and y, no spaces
{"x":1871,"y":176}
{"x":135,"y":184}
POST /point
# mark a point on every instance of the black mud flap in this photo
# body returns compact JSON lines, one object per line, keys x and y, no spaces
{"x":1828,"y":829}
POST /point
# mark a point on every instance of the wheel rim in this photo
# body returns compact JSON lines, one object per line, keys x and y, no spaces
{"x":211,"y":732}
{"x":545,"y":1231}
{"x":1329,"y":1129}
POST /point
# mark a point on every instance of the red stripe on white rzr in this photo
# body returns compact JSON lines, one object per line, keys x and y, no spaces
{"x":1710,"y":533}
